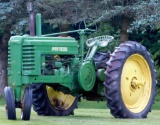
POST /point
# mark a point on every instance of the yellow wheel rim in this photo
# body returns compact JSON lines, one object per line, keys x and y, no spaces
{"x":136,"y":83}
{"x":59,"y":100}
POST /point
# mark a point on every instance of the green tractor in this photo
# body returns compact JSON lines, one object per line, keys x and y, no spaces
{"x":53,"y":73}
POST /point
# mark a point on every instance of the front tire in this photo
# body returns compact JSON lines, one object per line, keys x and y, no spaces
{"x":10,"y":103}
{"x":131,"y":81}
{"x":26,"y":104}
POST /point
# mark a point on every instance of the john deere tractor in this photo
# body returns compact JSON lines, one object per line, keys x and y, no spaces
{"x":53,"y":73}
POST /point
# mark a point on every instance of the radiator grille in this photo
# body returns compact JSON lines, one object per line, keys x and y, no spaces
{"x":9,"y":57}
{"x":28,"y":59}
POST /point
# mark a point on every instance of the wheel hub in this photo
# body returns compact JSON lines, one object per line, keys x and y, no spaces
{"x":133,"y":84}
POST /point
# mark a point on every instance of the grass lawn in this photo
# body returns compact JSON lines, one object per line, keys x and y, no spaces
{"x":88,"y":113}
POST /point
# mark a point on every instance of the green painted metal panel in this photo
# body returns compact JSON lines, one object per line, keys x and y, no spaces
{"x":15,"y":60}
{"x":54,"y":45}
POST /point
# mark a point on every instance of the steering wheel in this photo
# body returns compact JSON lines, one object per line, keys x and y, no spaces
{"x":87,"y":23}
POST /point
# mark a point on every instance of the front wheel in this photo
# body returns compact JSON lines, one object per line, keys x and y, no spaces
{"x":131,"y":81}
{"x":10,"y":103}
{"x":26,"y":104}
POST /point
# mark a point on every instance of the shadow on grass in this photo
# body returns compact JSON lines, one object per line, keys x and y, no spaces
{"x":94,"y":105}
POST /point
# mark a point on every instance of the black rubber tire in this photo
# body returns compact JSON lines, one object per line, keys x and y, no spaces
{"x":43,"y":106}
{"x":113,"y":78}
{"x":10,"y":103}
{"x":26,"y":104}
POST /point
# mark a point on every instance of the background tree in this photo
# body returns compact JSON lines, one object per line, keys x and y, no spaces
{"x":127,"y":15}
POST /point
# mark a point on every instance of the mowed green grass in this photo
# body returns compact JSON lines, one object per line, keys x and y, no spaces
{"x":88,"y":113}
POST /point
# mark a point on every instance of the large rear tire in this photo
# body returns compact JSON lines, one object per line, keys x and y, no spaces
{"x":49,"y":102}
{"x":131,"y":81}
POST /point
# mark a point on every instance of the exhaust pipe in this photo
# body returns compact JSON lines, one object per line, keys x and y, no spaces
{"x":31,"y":19}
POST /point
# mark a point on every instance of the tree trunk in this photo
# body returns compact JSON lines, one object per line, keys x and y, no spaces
{"x":63,"y":28}
{"x":3,"y":59}
{"x":125,"y":26}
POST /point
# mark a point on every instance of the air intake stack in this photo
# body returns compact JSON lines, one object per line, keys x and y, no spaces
{"x":31,"y":19}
